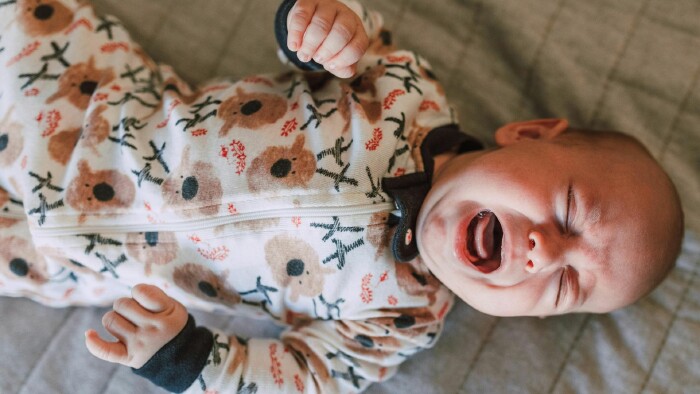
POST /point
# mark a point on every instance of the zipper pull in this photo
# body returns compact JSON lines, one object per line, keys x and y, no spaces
{"x":396,"y":212}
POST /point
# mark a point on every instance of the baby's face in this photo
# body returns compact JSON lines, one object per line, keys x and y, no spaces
{"x":540,"y":228}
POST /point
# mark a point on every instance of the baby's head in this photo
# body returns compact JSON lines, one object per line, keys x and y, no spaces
{"x":554,"y":221}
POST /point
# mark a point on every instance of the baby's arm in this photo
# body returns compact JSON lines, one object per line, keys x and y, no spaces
{"x":328,"y":32}
{"x":319,"y":356}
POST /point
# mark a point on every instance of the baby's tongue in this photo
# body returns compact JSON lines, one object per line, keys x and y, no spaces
{"x":483,"y":235}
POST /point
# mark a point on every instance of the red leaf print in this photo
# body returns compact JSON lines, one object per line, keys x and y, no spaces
{"x":53,"y":118}
{"x":172,"y":106}
{"x":213,"y":88}
{"x":26,"y":51}
{"x":78,"y":23}
{"x":31,"y":92}
{"x":275,"y":365}
{"x":68,"y":292}
{"x":114,"y":46}
{"x":238,"y":150}
{"x":373,"y":143}
{"x":289,"y":127}
{"x":429,"y":104}
{"x":392,"y":300}
{"x":257,"y":79}
{"x":215,"y":254}
{"x":366,"y":295}
{"x":151,"y":219}
{"x":232,"y":209}
{"x":391,"y":98}
{"x":398,"y":59}
{"x":296,"y":220}
{"x":199,"y":132}
{"x":443,"y":310}
{"x":384,"y":276}
{"x":100,"y":97}
{"x":234,"y":153}
{"x":298,"y":383}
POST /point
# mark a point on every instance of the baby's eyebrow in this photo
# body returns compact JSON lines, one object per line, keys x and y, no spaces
{"x":593,"y":213}
{"x":590,"y":207}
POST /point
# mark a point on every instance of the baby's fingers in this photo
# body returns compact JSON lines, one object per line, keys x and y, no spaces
{"x":118,"y":325}
{"x":316,"y":31}
{"x":344,"y":29}
{"x":151,"y":298}
{"x":114,"y":352}
{"x":131,"y":312}
{"x":349,"y":56}
{"x":344,"y":72}
{"x":297,"y":22}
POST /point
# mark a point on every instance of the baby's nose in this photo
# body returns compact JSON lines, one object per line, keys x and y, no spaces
{"x":543,"y":253}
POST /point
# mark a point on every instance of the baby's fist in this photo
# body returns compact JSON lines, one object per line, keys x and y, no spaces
{"x":142,"y":325}
{"x":328,"y":32}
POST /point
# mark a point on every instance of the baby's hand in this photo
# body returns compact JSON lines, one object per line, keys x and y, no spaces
{"x":142,"y":325}
{"x":328,"y":32}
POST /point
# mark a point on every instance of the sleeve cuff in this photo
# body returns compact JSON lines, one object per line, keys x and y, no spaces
{"x":178,"y":364}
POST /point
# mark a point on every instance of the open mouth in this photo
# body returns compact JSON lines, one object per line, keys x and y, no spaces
{"x":484,"y":240}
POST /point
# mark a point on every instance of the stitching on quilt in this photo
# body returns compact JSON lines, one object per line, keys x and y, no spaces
{"x":115,"y":368}
{"x":471,"y":35}
{"x":682,"y":107}
{"x":234,"y":30}
{"x":616,"y":64}
{"x":162,"y":20}
{"x":46,"y":348}
{"x":530,"y":76}
{"x":569,"y":352}
{"x":482,"y":346}
{"x":688,"y":286}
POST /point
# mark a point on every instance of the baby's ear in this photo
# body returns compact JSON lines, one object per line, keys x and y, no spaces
{"x":539,"y":129}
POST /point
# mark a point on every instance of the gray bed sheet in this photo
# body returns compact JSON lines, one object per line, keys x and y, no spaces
{"x":631,"y":65}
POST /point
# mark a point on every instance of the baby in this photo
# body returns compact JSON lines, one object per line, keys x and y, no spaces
{"x":343,"y":208}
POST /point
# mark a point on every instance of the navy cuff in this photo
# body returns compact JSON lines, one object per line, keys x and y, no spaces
{"x":178,"y":364}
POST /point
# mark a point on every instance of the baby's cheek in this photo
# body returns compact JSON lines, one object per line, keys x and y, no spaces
{"x":525,"y":299}
{"x":431,"y":239}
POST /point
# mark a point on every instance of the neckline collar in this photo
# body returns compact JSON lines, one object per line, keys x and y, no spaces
{"x":409,"y":191}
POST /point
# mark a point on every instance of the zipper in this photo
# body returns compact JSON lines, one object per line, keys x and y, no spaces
{"x":200,"y":224}
{"x":12,"y":215}
{"x":9,"y":215}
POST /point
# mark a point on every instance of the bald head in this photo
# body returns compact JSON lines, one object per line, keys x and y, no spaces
{"x":664,"y":224}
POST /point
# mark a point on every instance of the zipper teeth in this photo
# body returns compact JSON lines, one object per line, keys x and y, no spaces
{"x":9,"y":215}
{"x":199,"y":224}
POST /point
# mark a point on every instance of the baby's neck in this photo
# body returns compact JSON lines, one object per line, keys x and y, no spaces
{"x":440,"y":160}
